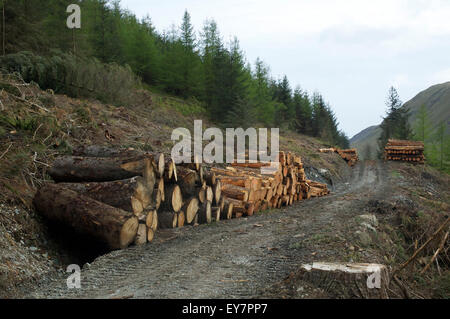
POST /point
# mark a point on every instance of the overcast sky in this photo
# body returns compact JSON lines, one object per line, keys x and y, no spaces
{"x":351,"y":51}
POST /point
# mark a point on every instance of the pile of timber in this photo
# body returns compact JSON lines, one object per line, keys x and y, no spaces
{"x":328,"y":150}
{"x":121,"y":197}
{"x":253,"y":187}
{"x":350,"y":155}
{"x":406,"y":151}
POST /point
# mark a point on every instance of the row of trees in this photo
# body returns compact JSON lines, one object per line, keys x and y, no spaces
{"x":436,"y":141}
{"x":179,"y":61}
{"x":396,"y":125}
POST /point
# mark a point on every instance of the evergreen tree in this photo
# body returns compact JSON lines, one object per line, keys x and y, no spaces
{"x":260,"y":95}
{"x":113,"y":40}
{"x":441,"y":151}
{"x":395,"y":124}
{"x":303,"y":110}
{"x":422,"y":128}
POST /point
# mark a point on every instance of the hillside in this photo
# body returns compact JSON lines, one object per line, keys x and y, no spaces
{"x":437,"y":102}
{"x":366,"y":141}
{"x":36,"y":126}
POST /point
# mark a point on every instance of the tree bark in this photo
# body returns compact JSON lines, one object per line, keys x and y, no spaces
{"x":227,"y":212}
{"x":215,"y":213}
{"x":348,"y":280}
{"x":113,"y":226}
{"x":75,"y":169}
{"x":141,"y":236}
{"x":173,"y":198}
{"x":235,"y":192}
{"x":152,"y":220}
{"x":181,"y":219}
{"x":131,"y":195}
{"x":190,"y":208}
{"x":167,"y":220}
{"x":204,"y":213}
{"x":217,"y":190}
{"x":187,"y":181}
{"x":105,"y":151}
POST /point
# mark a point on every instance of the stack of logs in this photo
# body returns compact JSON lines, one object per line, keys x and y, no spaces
{"x":407,"y":151}
{"x":350,"y":155}
{"x":121,"y":197}
{"x":253,"y":187}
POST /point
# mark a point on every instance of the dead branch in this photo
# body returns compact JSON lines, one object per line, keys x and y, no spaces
{"x":441,"y":246}
{"x":29,"y":103}
{"x":422,"y":247}
{"x":4,"y":153}
{"x":402,"y":287}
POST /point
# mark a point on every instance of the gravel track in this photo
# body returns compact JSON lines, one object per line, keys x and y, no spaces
{"x":240,"y":258}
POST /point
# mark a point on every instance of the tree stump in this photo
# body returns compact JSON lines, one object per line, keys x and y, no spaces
{"x":362,"y":281}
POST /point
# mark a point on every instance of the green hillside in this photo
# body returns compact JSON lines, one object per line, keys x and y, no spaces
{"x":437,"y":102}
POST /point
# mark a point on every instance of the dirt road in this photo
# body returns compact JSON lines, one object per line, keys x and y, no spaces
{"x":231,"y":259}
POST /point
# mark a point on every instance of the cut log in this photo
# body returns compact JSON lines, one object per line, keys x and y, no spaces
{"x":209,"y":194}
{"x":249,"y":209}
{"x":190,"y":208}
{"x":113,"y":226}
{"x":167,"y":220}
{"x":210,"y":178}
{"x":222,"y":203}
{"x":149,"y":179}
{"x":152,"y":220}
{"x":240,"y":206}
{"x":226,"y":213}
{"x":252,"y":165}
{"x":235,"y":192}
{"x":215,"y":213}
{"x":104,"y":151}
{"x":173,"y":198}
{"x":217,"y":191}
{"x":264,"y":205}
{"x":74,"y":169}
{"x":187,"y":181}
{"x":245,"y":182}
{"x":131,"y":195}
{"x":160,"y":165}
{"x":181,"y":219}
{"x":141,"y":236}
{"x":170,"y":170}
{"x":204,"y":213}
{"x":160,"y":189}
{"x":367,"y":281}
{"x":201,"y":192}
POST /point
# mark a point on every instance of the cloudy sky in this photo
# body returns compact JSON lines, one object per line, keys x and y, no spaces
{"x":351,"y":51}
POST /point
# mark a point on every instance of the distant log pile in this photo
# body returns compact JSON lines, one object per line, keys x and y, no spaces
{"x":406,"y":151}
{"x":350,"y":155}
{"x":122,"y":197}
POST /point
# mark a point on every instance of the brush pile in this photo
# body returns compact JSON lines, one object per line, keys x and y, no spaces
{"x":121,"y":197}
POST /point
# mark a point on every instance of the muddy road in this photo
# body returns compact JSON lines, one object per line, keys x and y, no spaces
{"x":241,"y":258}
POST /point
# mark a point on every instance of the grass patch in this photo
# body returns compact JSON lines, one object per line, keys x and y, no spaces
{"x":396,"y":174}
